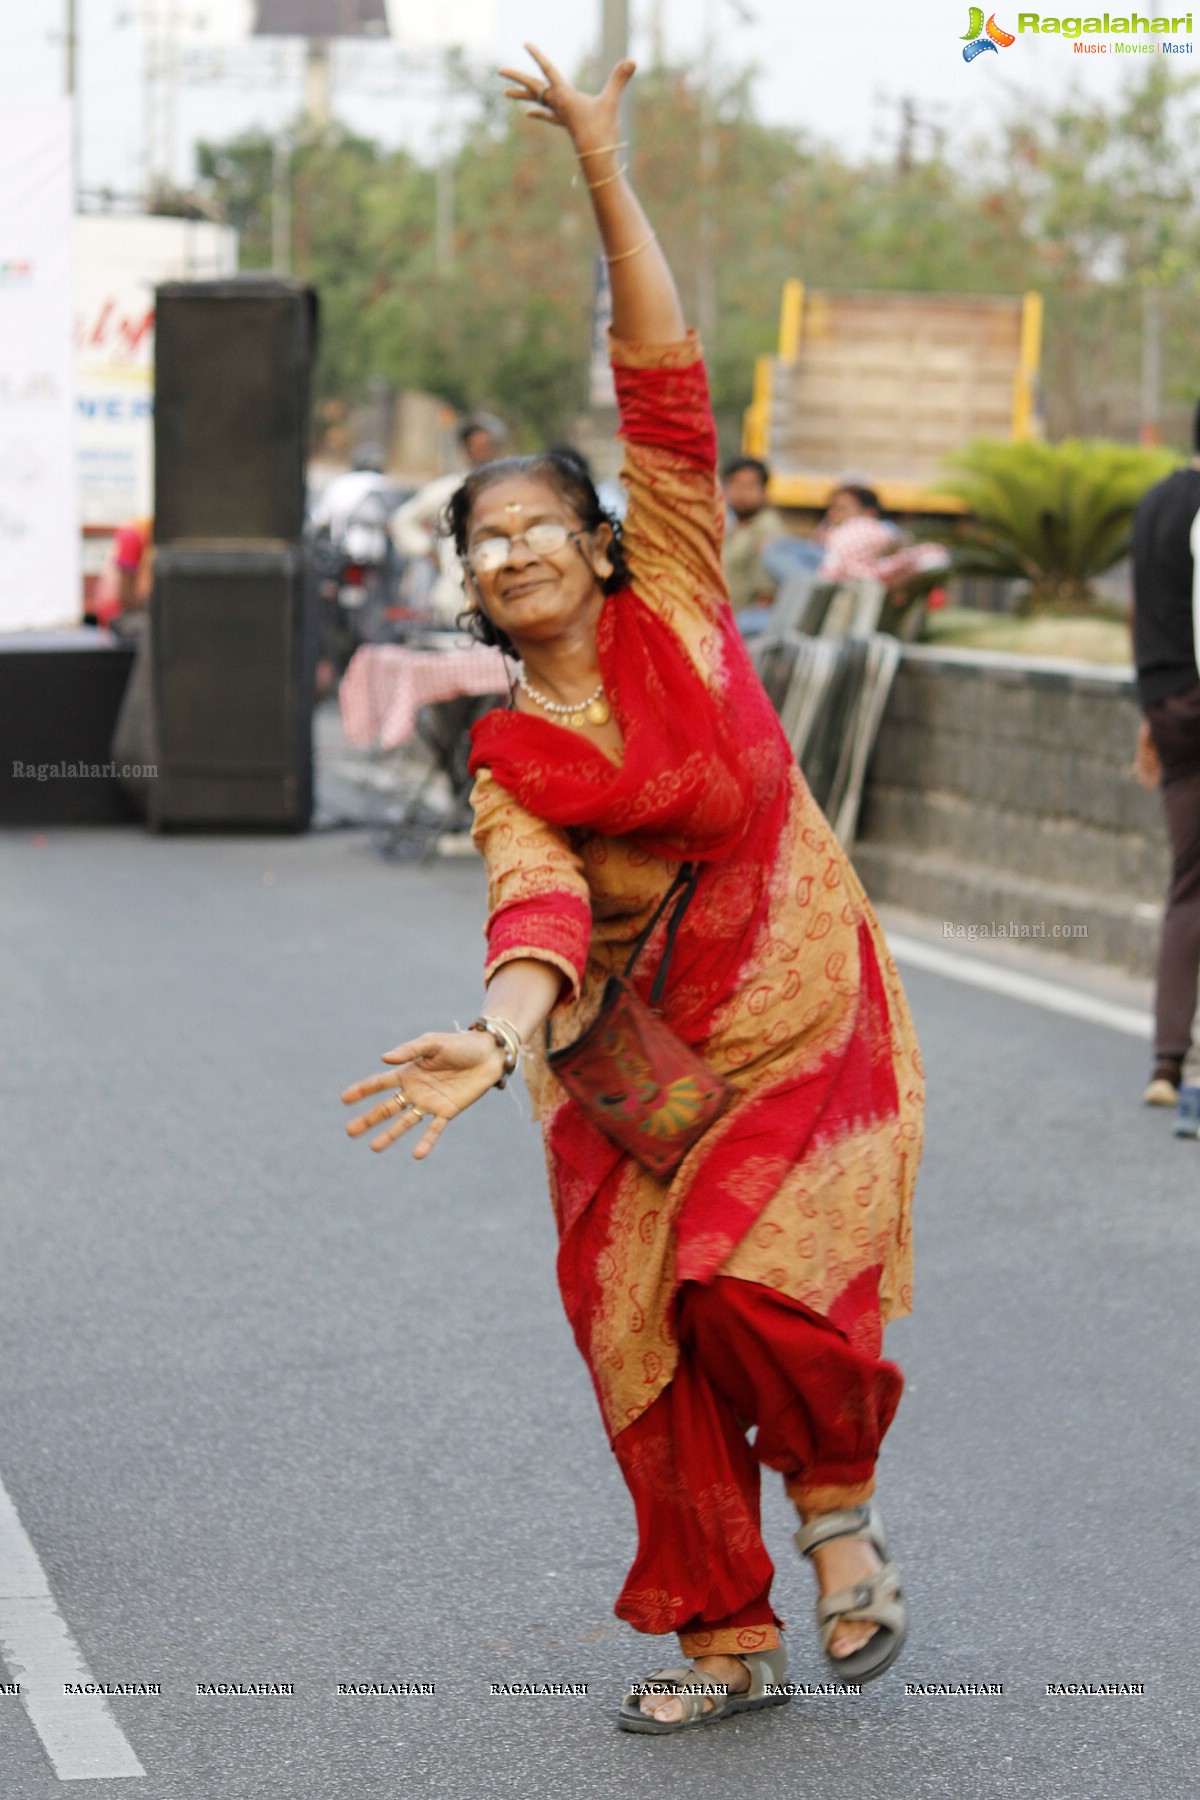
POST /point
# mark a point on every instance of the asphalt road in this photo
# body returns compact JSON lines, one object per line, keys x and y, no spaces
{"x":276,"y":1409}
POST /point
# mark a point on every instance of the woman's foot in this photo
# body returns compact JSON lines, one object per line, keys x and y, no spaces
{"x":862,"y":1617}
{"x":668,"y":1709}
{"x":842,"y":1563}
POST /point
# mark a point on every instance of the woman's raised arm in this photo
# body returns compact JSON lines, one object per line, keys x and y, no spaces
{"x":646,"y":308}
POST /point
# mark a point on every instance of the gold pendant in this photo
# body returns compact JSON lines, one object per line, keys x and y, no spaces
{"x":577,"y":720}
{"x":599,"y":712}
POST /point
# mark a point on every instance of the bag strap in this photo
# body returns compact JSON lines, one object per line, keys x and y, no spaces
{"x":680,"y":892}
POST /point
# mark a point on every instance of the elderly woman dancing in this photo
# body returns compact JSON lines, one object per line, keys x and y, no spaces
{"x":748,"y":1287}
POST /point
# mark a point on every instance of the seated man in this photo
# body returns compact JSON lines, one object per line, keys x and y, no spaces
{"x":754,"y":525}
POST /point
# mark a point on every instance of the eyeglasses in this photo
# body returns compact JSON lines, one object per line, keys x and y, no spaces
{"x":492,"y":553}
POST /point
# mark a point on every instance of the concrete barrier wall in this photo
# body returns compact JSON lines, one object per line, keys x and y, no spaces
{"x":1000,"y":793}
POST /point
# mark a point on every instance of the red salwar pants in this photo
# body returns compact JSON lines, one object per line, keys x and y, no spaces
{"x":821,"y":1404}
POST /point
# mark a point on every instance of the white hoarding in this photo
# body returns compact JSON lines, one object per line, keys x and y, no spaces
{"x":120,"y":260}
{"x":39,"y":531}
{"x":425,"y":24}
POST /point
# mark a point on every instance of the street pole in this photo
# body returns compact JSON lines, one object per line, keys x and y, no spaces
{"x":318,"y":84}
{"x":281,"y":205}
{"x":614,"y":48}
{"x":72,"y":46}
{"x":706,"y":173}
{"x":71,"y":87}
{"x":444,"y":205}
{"x":1152,"y":336}
{"x":658,"y":36}
{"x":602,"y":395}
{"x":443,"y":185}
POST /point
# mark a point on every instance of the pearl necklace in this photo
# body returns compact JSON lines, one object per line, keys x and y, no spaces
{"x":595,"y":710}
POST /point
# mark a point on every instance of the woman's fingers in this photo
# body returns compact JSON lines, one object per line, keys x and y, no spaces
{"x":374,"y":1084}
{"x":409,"y":1121}
{"x":432,"y":1134}
{"x":375,"y":1116}
{"x":530,"y":88}
{"x":402,"y":1123}
{"x":553,"y":75}
{"x":618,"y":81}
{"x":425,"y":1045}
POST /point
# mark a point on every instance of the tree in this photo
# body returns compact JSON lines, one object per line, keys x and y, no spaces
{"x":1088,"y":202}
{"x":1054,"y":515}
{"x":1107,"y":196}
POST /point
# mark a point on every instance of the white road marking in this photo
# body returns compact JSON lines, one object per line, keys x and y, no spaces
{"x":1017,"y":986}
{"x":78,"y":1731}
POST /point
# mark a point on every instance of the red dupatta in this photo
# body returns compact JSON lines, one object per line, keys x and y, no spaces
{"x":696,"y":770}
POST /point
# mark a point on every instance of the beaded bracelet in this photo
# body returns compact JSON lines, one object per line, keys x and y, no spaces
{"x":506,"y":1037}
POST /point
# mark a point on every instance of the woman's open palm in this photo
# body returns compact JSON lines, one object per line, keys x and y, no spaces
{"x":432,"y":1079}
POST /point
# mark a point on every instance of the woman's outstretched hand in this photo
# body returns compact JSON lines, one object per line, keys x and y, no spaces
{"x":591,"y":119}
{"x":431,"y":1080}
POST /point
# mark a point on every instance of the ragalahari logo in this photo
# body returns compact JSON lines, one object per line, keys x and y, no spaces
{"x":976,"y":43}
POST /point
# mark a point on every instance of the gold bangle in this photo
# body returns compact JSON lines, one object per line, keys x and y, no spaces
{"x":626,"y":254}
{"x":602,"y":149}
{"x":591,"y":186}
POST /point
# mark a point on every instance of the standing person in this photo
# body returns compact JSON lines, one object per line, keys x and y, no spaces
{"x":124,"y":584}
{"x":751,"y":1286}
{"x":1166,"y":637}
{"x":756,"y":524}
{"x":417,"y":525}
{"x":129,"y":583}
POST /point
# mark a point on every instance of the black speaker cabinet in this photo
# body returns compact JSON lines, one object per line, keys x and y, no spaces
{"x":233,"y":647}
{"x":232,"y":370}
{"x":60,"y":694}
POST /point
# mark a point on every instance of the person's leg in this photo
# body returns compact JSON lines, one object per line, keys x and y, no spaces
{"x":1175,"y":729}
{"x":701,"y":1568}
{"x":135,"y":740}
{"x":821,"y":1398}
{"x":1179,"y":945}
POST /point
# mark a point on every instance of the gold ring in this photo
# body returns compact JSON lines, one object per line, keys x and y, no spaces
{"x":401,"y":1100}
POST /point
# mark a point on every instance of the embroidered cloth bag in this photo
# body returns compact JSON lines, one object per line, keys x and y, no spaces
{"x":643,"y":1086}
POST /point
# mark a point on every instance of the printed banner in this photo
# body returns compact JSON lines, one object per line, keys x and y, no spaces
{"x":39,"y":529}
{"x":468,"y":24}
{"x":120,"y":260}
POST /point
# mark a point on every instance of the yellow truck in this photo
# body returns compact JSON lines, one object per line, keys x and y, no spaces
{"x":878,"y":386}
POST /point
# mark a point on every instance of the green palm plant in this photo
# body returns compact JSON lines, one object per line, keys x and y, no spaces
{"x":1054,"y":515}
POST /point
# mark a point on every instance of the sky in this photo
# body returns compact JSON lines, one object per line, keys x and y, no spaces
{"x":835,"y":71}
